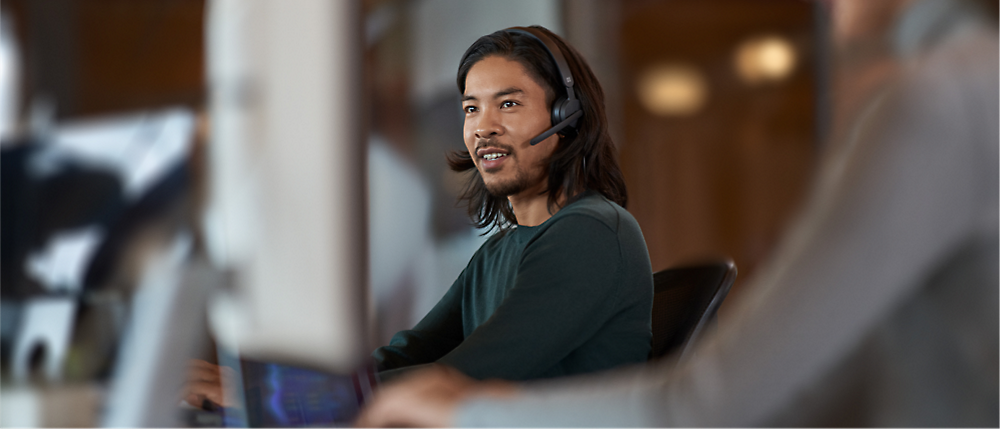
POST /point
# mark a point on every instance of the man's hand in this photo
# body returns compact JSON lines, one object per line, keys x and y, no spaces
{"x":427,"y":398}
{"x":205,"y":381}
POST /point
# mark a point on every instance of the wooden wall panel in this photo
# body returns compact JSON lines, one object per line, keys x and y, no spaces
{"x":726,"y":180}
{"x":98,"y":57}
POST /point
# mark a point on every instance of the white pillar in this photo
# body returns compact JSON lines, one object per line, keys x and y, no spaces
{"x":287,"y":209}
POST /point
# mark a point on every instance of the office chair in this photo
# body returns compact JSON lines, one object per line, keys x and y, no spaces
{"x":685,"y":301}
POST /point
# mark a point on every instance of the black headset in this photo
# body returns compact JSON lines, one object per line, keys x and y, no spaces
{"x":566,"y":112}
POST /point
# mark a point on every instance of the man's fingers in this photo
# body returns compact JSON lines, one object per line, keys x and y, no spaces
{"x":203,"y":375}
{"x":207,"y":381}
{"x":200,"y":364}
{"x":197,"y":392}
{"x":201,"y":370}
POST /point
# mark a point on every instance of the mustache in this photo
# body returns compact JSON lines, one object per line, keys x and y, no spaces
{"x":482,"y":144}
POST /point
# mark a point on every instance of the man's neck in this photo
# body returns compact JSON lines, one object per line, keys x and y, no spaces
{"x":532,"y":206}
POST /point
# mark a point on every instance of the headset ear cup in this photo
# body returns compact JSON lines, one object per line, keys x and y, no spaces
{"x":557,"y":111}
{"x":569,"y":108}
{"x":562,"y":109}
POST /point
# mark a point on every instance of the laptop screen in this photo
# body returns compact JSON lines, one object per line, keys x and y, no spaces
{"x":278,"y":395}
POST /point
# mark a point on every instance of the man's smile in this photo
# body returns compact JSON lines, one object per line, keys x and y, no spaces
{"x":492,"y":157}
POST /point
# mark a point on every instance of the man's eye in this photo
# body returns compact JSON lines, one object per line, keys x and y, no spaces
{"x":469,"y":109}
{"x":507,"y":104}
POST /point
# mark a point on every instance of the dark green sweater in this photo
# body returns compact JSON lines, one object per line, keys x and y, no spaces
{"x":569,"y":296}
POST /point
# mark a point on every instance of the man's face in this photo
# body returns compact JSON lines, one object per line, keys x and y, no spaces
{"x":504,"y":109}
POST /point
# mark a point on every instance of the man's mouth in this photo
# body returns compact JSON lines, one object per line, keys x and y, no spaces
{"x":492,"y":157}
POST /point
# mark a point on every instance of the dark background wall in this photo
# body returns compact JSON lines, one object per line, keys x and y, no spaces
{"x":100,"y":57}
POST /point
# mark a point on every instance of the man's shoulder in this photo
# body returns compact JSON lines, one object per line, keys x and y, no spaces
{"x":596,"y":207}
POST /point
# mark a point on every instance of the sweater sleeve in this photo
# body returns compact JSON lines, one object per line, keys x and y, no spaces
{"x":434,"y":336}
{"x":564,"y":291}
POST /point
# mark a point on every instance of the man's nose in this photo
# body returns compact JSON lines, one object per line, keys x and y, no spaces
{"x":488,"y":125}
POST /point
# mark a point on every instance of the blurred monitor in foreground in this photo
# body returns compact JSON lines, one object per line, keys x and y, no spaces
{"x":286,"y":211}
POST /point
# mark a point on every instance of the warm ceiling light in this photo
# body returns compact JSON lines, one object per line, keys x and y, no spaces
{"x":765,"y":59}
{"x":672,"y":89}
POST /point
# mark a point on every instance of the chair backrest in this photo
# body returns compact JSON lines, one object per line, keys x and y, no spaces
{"x":685,"y":301}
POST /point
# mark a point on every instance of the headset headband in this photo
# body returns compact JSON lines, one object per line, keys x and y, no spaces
{"x":554,"y":53}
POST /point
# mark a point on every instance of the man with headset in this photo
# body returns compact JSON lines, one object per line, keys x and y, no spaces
{"x":565,"y":286}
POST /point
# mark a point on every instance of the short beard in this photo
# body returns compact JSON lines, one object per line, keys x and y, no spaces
{"x":503,"y":190}
{"x":511,"y":187}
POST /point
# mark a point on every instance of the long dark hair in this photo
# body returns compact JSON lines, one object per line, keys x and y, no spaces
{"x":584,"y":160}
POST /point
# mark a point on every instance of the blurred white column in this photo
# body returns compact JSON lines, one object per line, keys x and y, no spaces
{"x":10,"y":78}
{"x":287,"y":210}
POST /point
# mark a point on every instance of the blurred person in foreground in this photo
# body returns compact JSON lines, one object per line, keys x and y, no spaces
{"x":880,"y":307}
{"x":564,"y":286}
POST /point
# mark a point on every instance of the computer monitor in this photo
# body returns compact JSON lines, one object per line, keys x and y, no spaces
{"x":287,"y":207}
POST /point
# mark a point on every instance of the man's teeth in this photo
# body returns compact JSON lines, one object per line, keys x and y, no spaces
{"x":493,"y":156}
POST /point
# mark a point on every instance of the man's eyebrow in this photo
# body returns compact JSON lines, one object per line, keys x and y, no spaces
{"x":508,"y":91}
{"x":501,"y":93}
